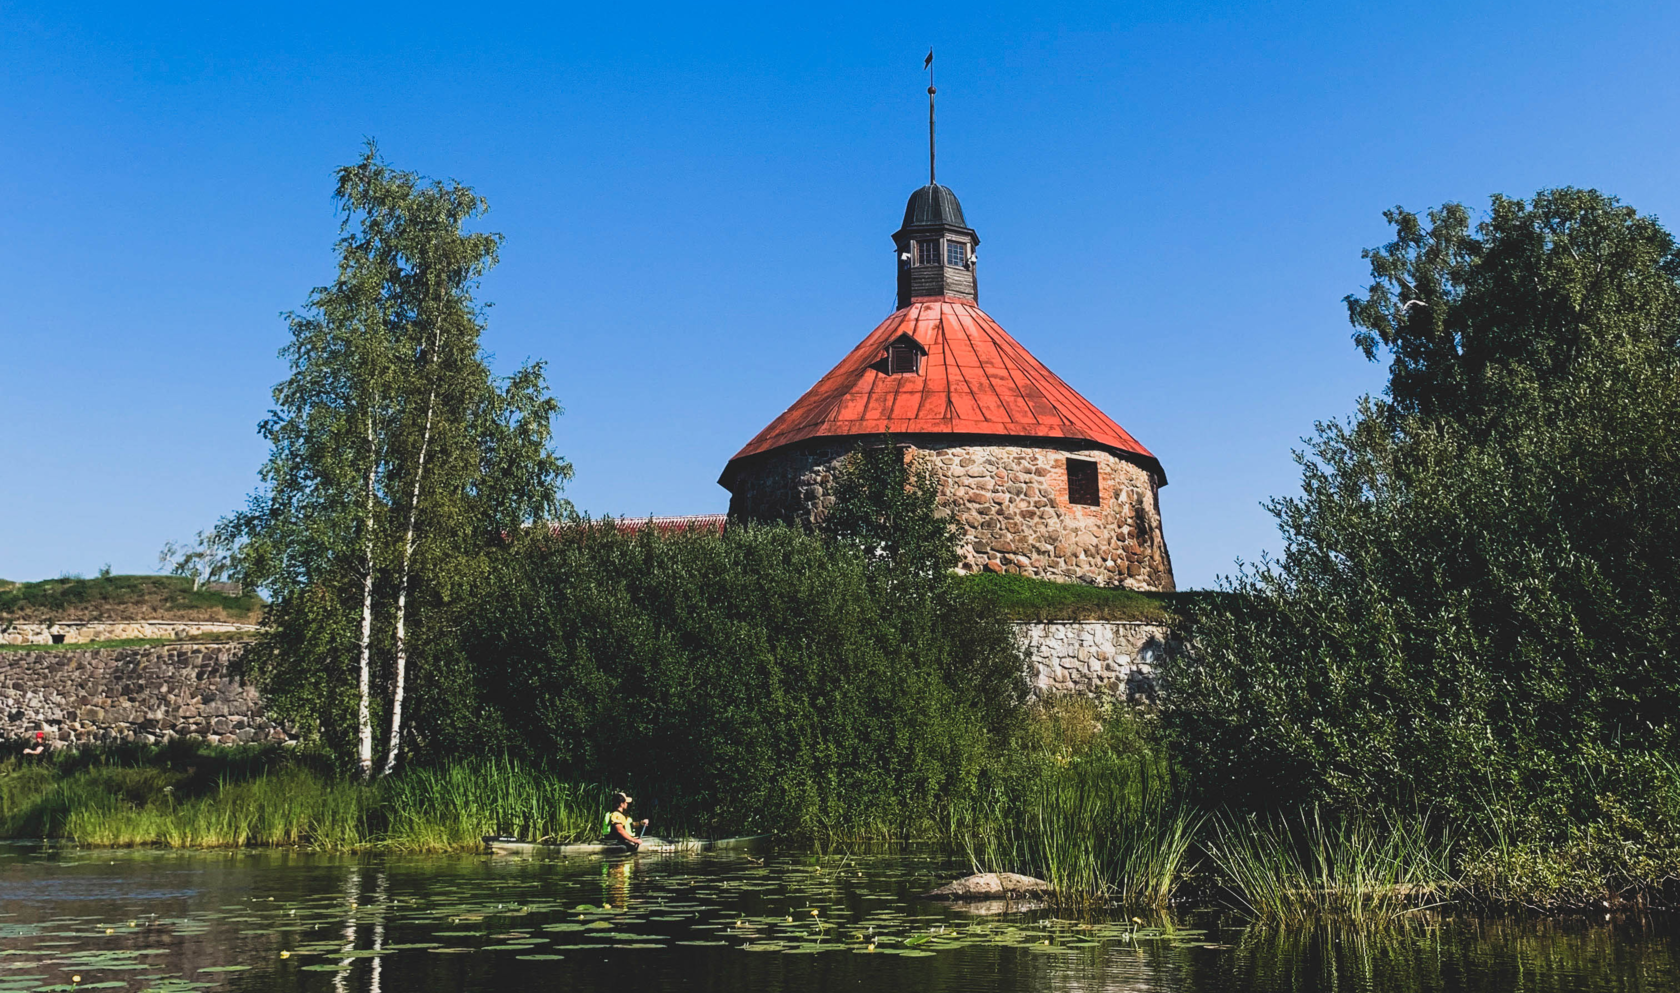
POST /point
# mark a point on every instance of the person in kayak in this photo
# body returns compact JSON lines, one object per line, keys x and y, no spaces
{"x":618,"y":828}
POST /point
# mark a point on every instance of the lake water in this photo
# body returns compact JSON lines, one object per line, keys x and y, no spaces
{"x":289,"y":921}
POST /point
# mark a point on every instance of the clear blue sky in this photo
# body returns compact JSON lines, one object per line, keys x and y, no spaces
{"x":1172,"y":200}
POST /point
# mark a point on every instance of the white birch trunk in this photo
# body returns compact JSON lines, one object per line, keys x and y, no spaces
{"x":401,"y":673}
{"x":364,"y":722}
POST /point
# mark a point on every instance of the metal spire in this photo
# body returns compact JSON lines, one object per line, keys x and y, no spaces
{"x":928,"y":65}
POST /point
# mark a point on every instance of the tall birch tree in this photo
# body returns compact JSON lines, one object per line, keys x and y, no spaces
{"x":396,"y":455}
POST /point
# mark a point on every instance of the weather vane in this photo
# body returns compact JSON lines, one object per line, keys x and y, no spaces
{"x":927,"y":64}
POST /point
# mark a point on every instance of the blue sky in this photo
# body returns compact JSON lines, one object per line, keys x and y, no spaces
{"x":697,"y":205}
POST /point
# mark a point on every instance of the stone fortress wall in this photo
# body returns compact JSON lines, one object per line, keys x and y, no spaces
{"x":1097,"y":658}
{"x":78,"y":632}
{"x":147,"y":695}
{"x":1011,"y":500}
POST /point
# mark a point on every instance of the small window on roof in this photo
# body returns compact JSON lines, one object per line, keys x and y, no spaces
{"x":927,"y":252}
{"x":903,"y":358}
{"x":1082,"y":483}
{"x":956,"y":253}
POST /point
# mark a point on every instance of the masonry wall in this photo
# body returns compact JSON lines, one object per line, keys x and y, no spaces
{"x":148,"y":695}
{"x":77,"y":632}
{"x":1011,"y":500}
{"x":1096,"y":658}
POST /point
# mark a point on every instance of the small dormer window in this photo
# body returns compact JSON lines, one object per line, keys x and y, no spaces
{"x":903,"y":358}
{"x":956,"y":253}
{"x":927,"y":253}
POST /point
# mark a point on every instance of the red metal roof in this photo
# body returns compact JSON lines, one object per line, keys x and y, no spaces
{"x":975,"y":380}
{"x":673,"y":524}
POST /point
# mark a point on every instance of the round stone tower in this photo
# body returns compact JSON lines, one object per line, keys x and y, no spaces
{"x":1042,"y":482}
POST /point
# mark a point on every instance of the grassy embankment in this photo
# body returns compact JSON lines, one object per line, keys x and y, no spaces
{"x":123,"y":598}
{"x":120,"y":599}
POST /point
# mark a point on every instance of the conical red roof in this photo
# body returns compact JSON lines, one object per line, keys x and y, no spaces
{"x":974,"y":380}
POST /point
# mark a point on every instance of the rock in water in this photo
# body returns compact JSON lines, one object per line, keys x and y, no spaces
{"x":991,"y":886}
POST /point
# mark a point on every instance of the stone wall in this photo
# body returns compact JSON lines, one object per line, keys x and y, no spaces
{"x":148,"y":695}
{"x":1096,"y":658}
{"x":77,"y":632}
{"x":1011,"y":500}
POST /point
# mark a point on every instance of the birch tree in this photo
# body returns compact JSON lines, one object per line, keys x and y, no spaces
{"x":396,"y":456}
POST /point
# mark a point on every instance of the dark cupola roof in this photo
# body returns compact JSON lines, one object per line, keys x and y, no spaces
{"x":933,"y":205}
{"x":935,"y":248}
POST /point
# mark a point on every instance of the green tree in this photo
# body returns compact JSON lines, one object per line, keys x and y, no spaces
{"x":395,"y":458}
{"x":886,"y":506}
{"x":1475,"y":604}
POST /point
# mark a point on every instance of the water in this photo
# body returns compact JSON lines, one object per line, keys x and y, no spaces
{"x":289,"y":921}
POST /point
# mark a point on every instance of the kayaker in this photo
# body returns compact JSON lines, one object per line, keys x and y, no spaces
{"x":618,"y":827}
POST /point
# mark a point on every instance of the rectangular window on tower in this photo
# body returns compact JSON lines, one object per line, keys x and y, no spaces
{"x":1082,"y":483}
{"x":956,"y":253}
{"x":927,"y":253}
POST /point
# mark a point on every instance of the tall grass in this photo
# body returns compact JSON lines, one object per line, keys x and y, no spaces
{"x":179,"y":796}
{"x":456,"y":805}
{"x":1093,"y":811}
{"x":1312,"y":866}
{"x":1099,"y":831}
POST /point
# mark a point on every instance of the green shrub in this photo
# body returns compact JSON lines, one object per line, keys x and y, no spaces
{"x":761,"y":680}
{"x":1479,"y":576}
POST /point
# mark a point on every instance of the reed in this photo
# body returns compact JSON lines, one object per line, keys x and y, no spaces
{"x":163,"y":797}
{"x":1313,"y":867}
{"x":455,"y":806}
{"x":1103,"y":829}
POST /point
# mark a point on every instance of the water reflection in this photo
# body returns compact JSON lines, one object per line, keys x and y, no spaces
{"x":285,"y":921}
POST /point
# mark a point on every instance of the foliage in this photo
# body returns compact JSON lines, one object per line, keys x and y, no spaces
{"x":210,"y":558}
{"x":124,"y":598}
{"x":1087,"y":803}
{"x":886,"y":507}
{"x":1311,"y":865}
{"x":180,"y":795}
{"x":395,"y":458}
{"x":1479,"y":576}
{"x":759,"y":679}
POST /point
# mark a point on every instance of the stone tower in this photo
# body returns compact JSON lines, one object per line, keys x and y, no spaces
{"x":1043,"y":483}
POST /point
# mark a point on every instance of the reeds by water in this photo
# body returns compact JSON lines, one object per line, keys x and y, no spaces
{"x":147,"y":799}
{"x":1311,"y":866}
{"x":454,"y":806}
{"x":1105,"y":829}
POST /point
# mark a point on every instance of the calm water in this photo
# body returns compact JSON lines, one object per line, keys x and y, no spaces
{"x":280,"y":921}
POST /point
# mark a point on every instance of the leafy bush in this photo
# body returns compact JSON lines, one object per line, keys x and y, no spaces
{"x":1479,"y":577}
{"x":758,"y":680}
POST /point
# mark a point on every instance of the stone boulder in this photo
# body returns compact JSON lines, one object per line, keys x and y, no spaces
{"x":991,"y":886}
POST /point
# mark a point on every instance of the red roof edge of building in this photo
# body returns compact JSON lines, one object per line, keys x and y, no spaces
{"x":667,"y":524}
{"x":978,"y":383}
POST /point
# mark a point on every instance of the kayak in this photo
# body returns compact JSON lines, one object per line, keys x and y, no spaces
{"x":650,"y":845}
